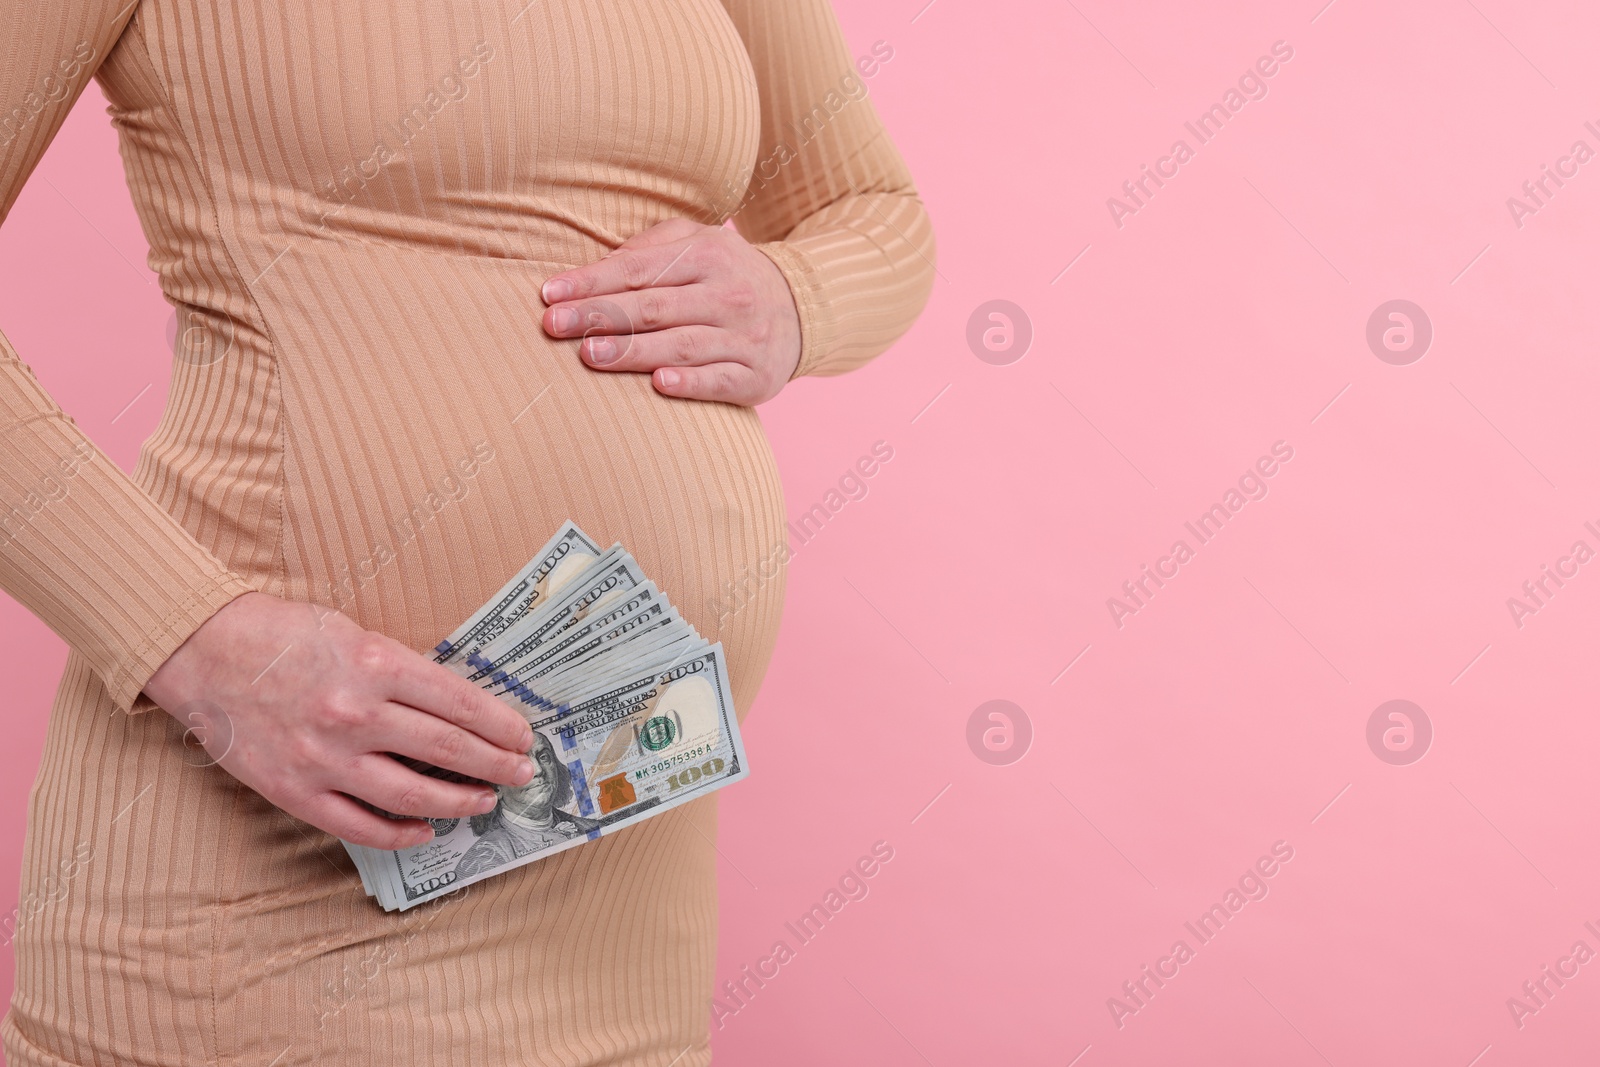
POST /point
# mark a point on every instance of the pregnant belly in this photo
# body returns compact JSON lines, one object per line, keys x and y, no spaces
{"x":435,"y":437}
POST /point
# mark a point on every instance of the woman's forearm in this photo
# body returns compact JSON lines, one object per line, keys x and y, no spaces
{"x":831,"y":201}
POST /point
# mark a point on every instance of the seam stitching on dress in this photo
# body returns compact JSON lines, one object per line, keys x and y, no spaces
{"x":158,"y":75}
{"x":281,"y":429}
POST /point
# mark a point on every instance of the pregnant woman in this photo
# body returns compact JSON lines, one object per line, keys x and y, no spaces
{"x":447,"y":275}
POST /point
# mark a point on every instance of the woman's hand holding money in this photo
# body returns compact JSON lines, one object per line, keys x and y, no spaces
{"x":304,"y":706}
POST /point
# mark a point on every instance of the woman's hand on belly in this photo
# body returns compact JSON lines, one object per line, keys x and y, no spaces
{"x":698,"y":308}
{"x":304,"y":706}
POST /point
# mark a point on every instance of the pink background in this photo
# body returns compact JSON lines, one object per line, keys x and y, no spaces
{"x":1228,"y":713}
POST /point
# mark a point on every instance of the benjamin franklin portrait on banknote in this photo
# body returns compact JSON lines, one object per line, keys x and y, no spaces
{"x":529,"y":817}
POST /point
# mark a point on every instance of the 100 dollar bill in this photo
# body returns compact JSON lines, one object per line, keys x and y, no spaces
{"x":569,"y":554}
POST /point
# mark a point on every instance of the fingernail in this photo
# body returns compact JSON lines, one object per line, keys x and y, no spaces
{"x":563,"y":319}
{"x":670,"y":378}
{"x":601,"y":351}
{"x":524,"y":772}
{"x":556,"y":290}
{"x":486,"y":803}
{"x":422,"y":836}
{"x":527,"y":738}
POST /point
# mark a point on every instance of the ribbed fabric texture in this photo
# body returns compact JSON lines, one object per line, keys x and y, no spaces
{"x":353,"y":205}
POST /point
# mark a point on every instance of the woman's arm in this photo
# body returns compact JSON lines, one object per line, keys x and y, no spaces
{"x":150,"y":608}
{"x":832,"y":202}
{"x":81,"y":546}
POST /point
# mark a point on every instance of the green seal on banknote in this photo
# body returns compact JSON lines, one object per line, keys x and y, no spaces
{"x":658,"y":733}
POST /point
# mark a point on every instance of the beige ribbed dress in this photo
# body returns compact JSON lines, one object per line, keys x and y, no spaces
{"x":353,"y":204}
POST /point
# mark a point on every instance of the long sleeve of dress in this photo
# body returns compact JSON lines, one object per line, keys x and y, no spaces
{"x":831,"y":201}
{"x":81,"y":545}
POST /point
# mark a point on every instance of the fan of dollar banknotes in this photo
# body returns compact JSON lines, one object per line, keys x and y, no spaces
{"x":631,"y":710}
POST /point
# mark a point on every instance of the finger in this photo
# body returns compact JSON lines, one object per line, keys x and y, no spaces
{"x":349,"y":821}
{"x":409,"y":732}
{"x":730,"y":383}
{"x":656,"y":307}
{"x":412,"y":680}
{"x":684,"y":346}
{"x":659,"y":307}
{"x":381,"y":781}
{"x":671,"y":263}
